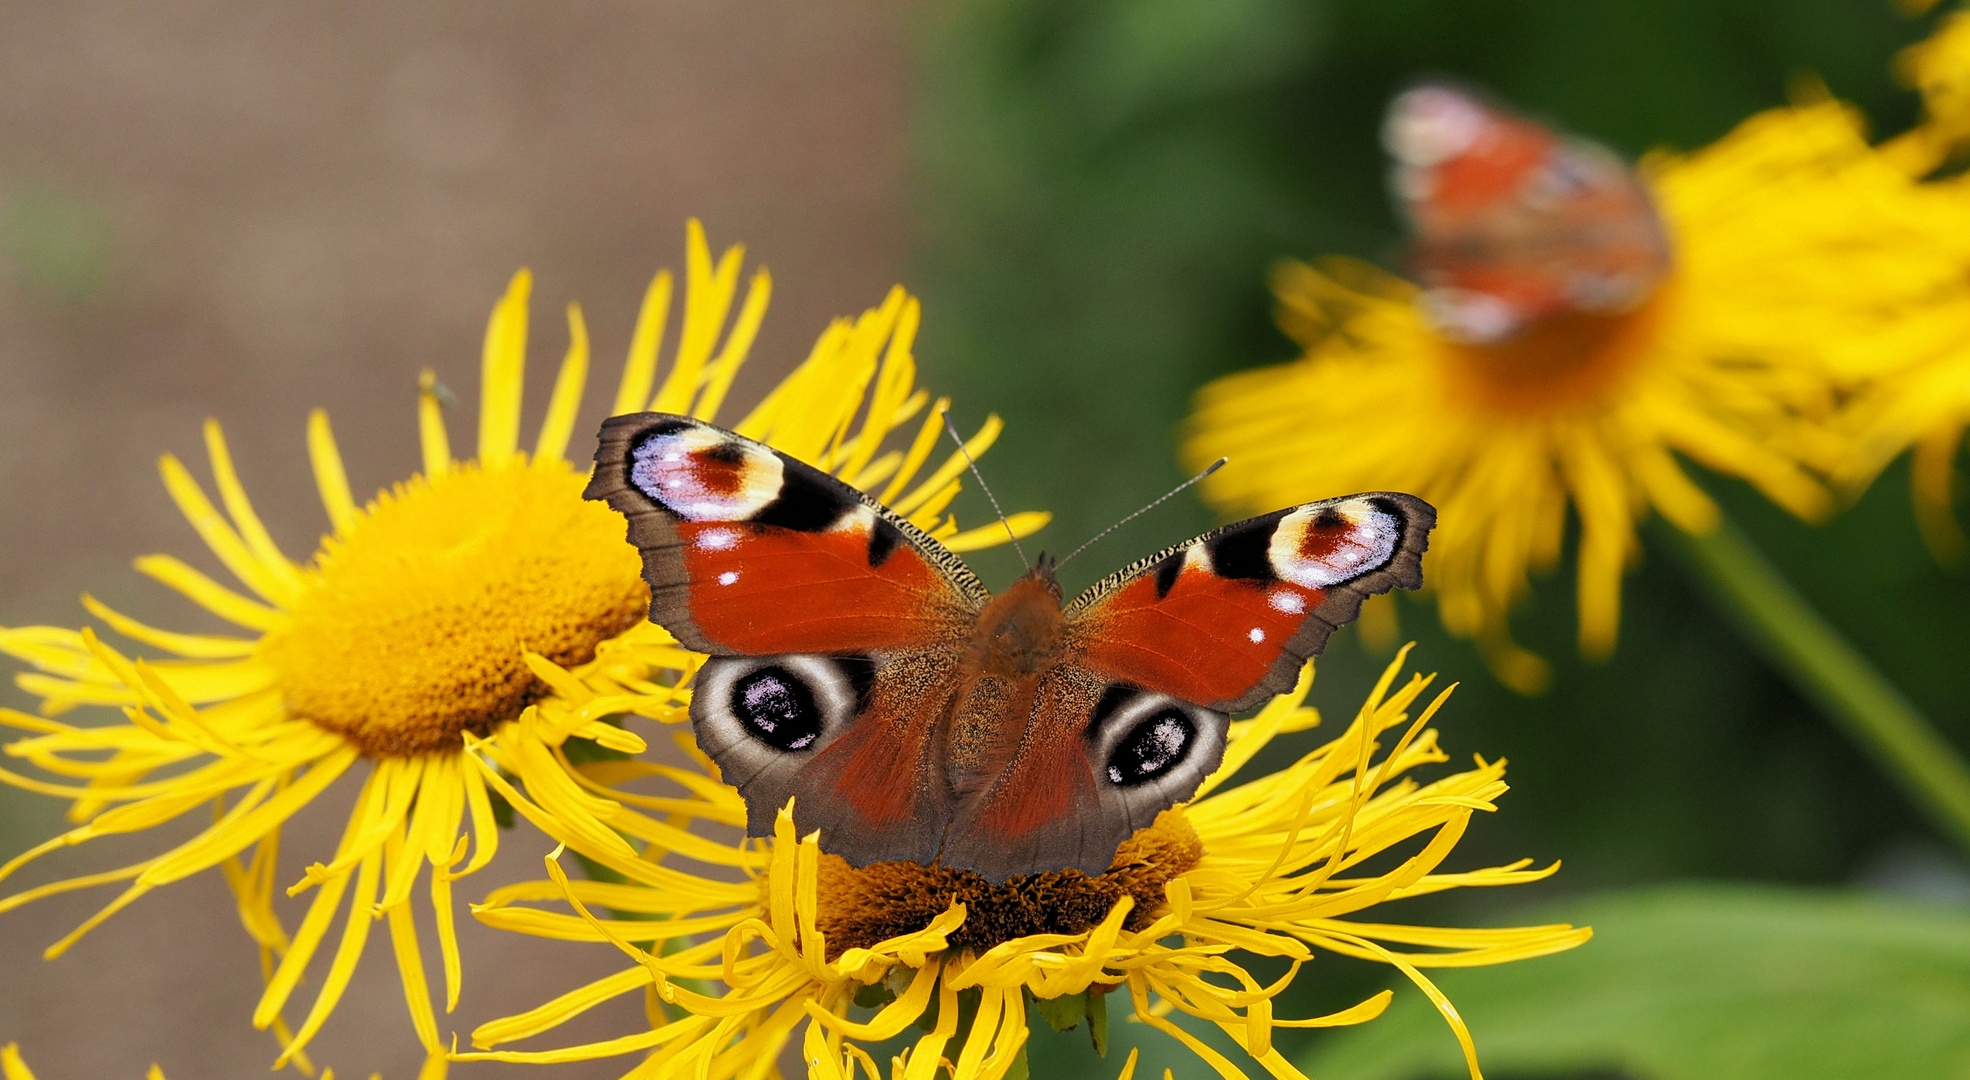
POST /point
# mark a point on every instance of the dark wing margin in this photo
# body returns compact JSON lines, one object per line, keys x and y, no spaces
{"x":1225,"y":621}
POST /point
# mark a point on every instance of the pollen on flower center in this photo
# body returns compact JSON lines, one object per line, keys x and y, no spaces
{"x":862,"y":906}
{"x":414,"y":624}
{"x":1566,"y":360}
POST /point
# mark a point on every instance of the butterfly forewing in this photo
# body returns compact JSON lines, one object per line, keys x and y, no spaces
{"x":749,"y":552}
{"x":1226,"y":620}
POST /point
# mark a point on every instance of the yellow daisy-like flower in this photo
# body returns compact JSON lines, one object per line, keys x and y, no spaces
{"x":440,"y":612}
{"x":738,"y":943}
{"x":1803,"y":259}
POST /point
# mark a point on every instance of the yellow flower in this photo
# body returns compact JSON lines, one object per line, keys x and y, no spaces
{"x":438,"y":613}
{"x":738,"y":943}
{"x":1938,"y":67}
{"x":1803,"y":259}
{"x":1925,"y":405}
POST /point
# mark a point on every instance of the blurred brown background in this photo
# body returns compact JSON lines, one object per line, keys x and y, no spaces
{"x":249,"y":210}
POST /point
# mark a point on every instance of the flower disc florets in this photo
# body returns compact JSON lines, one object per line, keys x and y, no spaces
{"x":862,"y":906}
{"x":417,"y":622}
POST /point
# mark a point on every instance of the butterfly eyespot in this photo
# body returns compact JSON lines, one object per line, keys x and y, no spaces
{"x":761,"y":707}
{"x":1152,"y":746}
{"x":1151,"y":749}
{"x":777,"y":709}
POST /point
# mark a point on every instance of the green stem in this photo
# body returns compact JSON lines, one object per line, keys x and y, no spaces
{"x":1821,"y":665}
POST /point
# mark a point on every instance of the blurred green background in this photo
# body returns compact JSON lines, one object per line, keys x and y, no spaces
{"x":247,"y":212}
{"x":1102,"y":188}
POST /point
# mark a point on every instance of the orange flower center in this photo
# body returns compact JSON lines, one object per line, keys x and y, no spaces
{"x":1567,"y":361}
{"x":862,"y":906}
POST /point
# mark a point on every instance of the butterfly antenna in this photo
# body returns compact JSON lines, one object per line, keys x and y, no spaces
{"x":966,"y":451}
{"x":1208,"y":470}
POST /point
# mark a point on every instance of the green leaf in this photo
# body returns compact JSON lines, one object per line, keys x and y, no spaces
{"x":1063,"y":1013}
{"x":873,"y":996}
{"x":1697,"y":982}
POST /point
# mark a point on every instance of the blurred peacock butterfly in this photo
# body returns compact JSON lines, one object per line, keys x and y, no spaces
{"x":1514,"y":222}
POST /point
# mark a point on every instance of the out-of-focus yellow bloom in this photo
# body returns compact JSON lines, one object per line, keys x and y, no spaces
{"x":739,"y":944}
{"x":1939,"y":68}
{"x":444,"y":609}
{"x":1804,"y":260}
{"x":1925,"y":405}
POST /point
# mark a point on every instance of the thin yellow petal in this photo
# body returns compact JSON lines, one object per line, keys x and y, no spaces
{"x":640,"y":371}
{"x":738,"y":345}
{"x":209,"y":594}
{"x":953,"y":467}
{"x":568,"y":386}
{"x":201,"y":646}
{"x":330,"y":478}
{"x":218,"y":534}
{"x":410,"y":971}
{"x":432,"y":440}
{"x":708,"y":293}
{"x":354,"y":934}
{"x":240,"y":508}
{"x":1023,"y":524}
{"x":502,"y":373}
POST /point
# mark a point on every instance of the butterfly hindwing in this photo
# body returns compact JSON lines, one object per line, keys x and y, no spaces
{"x":1226,"y":620}
{"x":853,"y":741}
{"x":1096,"y":761}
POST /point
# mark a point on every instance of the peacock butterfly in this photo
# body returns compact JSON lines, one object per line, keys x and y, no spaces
{"x":861,"y":669}
{"x":1514,"y":222}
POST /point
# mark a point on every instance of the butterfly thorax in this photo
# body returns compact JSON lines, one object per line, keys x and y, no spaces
{"x":1019,"y":633}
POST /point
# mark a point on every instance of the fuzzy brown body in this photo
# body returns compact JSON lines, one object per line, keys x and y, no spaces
{"x":1016,"y":641}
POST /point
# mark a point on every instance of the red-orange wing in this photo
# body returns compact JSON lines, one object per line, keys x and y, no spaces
{"x":833,"y":625}
{"x":1095,"y":760}
{"x":750,"y":552}
{"x":1135,"y":715}
{"x":1226,"y":620}
{"x":1514,"y":223}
